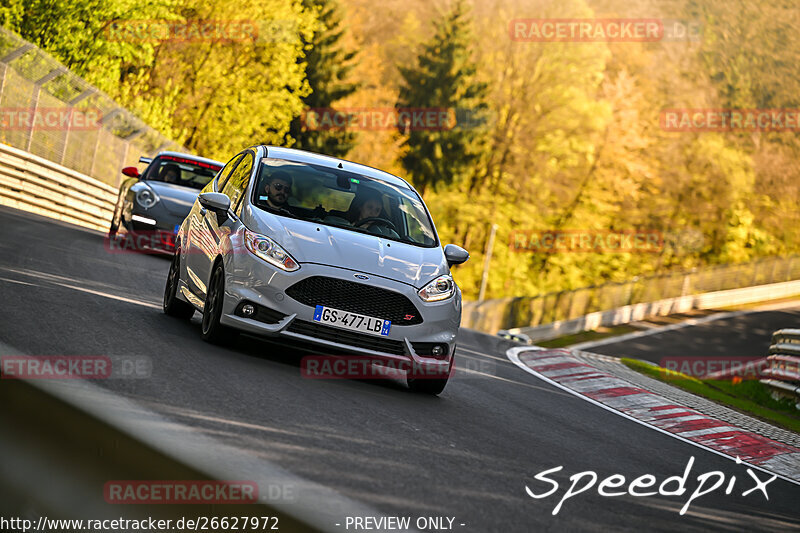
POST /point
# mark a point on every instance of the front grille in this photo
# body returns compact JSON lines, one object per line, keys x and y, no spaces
{"x":356,"y":298}
{"x":350,"y":338}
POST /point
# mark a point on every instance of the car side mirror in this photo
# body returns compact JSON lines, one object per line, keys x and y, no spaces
{"x":131,"y":172}
{"x":217,"y":202}
{"x":455,"y":255}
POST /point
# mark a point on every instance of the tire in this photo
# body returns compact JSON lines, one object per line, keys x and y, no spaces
{"x":426,"y":385}
{"x":213,"y":331}
{"x":171,"y":304}
{"x":114,"y":228}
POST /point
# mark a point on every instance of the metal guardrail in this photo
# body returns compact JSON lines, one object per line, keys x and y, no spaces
{"x":532,"y":311}
{"x":90,"y":133}
{"x":34,"y":184}
{"x":783,"y":372}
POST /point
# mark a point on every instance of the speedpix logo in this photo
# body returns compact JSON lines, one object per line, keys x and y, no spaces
{"x":617,"y":485}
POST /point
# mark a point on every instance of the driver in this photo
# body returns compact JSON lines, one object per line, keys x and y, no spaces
{"x":366,"y":204}
{"x":278,"y":189}
{"x":170,"y":173}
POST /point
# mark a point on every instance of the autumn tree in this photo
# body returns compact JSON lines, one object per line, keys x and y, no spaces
{"x":328,"y":66}
{"x":444,"y":78}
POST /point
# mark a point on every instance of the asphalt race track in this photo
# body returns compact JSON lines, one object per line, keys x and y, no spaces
{"x":467,"y":454}
{"x":746,"y":335}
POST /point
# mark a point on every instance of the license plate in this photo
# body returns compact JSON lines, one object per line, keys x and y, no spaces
{"x":352,"y":321}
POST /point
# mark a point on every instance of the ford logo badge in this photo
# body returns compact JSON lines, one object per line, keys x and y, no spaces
{"x":361,"y":276}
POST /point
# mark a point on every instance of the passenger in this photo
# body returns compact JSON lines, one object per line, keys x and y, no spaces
{"x":366,"y":204}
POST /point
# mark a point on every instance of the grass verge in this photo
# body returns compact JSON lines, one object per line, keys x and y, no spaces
{"x":749,"y":397}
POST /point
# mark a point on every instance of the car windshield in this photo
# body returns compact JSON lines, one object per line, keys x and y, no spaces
{"x":181,"y":171}
{"x":343,"y":199}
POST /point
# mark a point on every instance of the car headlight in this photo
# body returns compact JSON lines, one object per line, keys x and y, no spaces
{"x":146,"y":197}
{"x":270,"y":251}
{"x":439,"y":289}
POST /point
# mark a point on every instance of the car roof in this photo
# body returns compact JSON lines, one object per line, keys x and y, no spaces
{"x":192,"y":157}
{"x":301,"y":156}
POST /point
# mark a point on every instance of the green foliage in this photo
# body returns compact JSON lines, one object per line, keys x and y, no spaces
{"x":213,"y":96}
{"x":565,"y":136}
{"x":444,"y":79}
{"x":328,"y":69}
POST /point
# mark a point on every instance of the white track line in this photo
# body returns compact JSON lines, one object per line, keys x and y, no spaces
{"x":513,"y":356}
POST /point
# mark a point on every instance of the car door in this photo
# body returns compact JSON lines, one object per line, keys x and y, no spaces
{"x":234,"y":187}
{"x":199,"y":250}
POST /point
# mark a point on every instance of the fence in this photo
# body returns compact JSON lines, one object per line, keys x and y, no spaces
{"x":522,"y":312}
{"x":50,"y":112}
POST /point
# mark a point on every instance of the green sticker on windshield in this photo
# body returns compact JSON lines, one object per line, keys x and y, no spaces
{"x":353,"y":180}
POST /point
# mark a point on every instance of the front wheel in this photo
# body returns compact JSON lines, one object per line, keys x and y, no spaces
{"x":213,"y":331}
{"x":171,"y":304}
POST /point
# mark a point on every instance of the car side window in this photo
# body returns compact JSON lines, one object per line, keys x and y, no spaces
{"x":225,"y":172}
{"x":237,"y":183}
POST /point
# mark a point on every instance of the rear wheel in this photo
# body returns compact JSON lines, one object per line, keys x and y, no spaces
{"x":213,"y":331}
{"x":427,"y":384}
{"x":171,"y":304}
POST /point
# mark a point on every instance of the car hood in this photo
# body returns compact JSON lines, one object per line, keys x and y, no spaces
{"x":176,"y":199}
{"x":309,"y":242}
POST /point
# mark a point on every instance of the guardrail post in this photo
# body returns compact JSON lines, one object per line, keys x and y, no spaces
{"x":486,"y":262}
{"x":2,"y":86}
{"x":3,"y":78}
{"x":774,"y":269}
{"x":685,"y":287}
{"x":35,"y":106}
{"x":94,"y":152}
{"x":63,"y":154}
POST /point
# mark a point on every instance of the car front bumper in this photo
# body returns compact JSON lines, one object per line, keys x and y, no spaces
{"x":252,"y":280}
{"x":152,"y":238}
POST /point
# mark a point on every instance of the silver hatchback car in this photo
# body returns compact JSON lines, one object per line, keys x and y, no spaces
{"x":296,"y":245}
